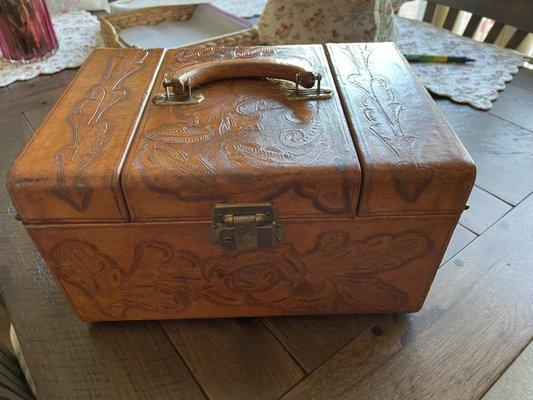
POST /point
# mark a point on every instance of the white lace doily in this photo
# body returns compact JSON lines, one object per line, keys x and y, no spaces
{"x":78,"y":33}
{"x":474,"y":83}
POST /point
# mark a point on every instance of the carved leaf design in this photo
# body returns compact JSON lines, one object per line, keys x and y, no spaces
{"x":197,"y":180}
{"x":314,"y":292}
{"x":169,"y":295}
{"x":378,"y":121}
{"x":81,"y":265}
{"x":410,"y":183}
{"x":163,"y":281}
{"x":333,"y":198}
{"x":256,"y":156}
{"x":229,"y":129}
{"x":377,"y":253}
{"x":178,"y":135}
{"x":152,"y":298}
{"x":385,"y":252}
{"x":90,"y":130}
{"x":382,"y":110}
{"x":387,"y":100}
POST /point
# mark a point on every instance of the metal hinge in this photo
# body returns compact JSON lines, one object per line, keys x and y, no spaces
{"x":245,"y":226}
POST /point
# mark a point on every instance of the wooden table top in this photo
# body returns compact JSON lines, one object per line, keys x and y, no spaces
{"x":476,"y":321}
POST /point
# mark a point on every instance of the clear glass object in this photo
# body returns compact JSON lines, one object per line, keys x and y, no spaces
{"x":26,"y":31}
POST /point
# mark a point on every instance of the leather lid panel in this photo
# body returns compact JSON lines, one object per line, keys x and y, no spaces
{"x":412,"y":162}
{"x":245,"y":142}
{"x":69,"y":170}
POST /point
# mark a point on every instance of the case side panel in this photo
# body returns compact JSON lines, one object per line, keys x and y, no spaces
{"x":129,"y":271}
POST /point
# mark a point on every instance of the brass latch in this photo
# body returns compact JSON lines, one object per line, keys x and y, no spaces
{"x":245,"y":226}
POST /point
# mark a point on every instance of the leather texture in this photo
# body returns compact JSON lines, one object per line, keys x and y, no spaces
{"x":170,"y":270}
{"x":117,"y":192}
{"x":69,"y":170}
{"x":412,"y":161}
{"x":244,"y":143}
{"x":238,"y":68}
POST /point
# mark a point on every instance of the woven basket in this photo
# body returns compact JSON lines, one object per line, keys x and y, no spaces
{"x":111,"y":24}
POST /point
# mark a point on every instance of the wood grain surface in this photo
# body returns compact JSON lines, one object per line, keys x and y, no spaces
{"x":477,"y":318}
{"x":516,"y":382}
{"x":234,"y":358}
{"x":37,"y":115}
{"x":468,"y":335}
{"x":501,"y":149}
{"x":516,"y":105}
{"x":484,"y":209}
{"x":461,"y":237}
{"x":524,"y":79}
{"x":313,"y":339}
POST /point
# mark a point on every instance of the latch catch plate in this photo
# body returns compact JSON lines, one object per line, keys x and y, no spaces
{"x":245,"y":226}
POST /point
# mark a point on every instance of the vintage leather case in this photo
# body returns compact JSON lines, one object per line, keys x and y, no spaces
{"x":261,"y":199}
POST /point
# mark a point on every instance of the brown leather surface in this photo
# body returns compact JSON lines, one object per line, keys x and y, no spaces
{"x":342,"y":251}
{"x":173,"y":270}
{"x":412,"y":161}
{"x":69,"y":169}
{"x":203,"y":73}
{"x":244,"y":143}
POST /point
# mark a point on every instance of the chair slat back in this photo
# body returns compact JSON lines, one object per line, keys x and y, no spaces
{"x":472,"y":25}
{"x":450,"y":19}
{"x":515,"y":13}
{"x":494,"y":32}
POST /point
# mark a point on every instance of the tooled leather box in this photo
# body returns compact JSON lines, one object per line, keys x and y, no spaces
{"x":246,"y":181}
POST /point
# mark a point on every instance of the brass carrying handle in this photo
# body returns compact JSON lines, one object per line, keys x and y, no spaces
{"x":195,"y":75}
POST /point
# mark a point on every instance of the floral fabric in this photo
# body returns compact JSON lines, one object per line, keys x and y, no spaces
{"x":396,"y":4}
{"x":321,"y":21}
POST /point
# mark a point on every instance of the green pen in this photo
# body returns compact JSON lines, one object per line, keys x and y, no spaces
{"x":427,"y":58}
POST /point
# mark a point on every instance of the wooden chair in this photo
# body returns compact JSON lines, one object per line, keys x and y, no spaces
{"x":13,"y":385}
{"x":512,"y":13}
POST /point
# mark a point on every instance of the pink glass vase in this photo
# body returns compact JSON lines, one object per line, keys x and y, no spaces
{"x":26,"y":31}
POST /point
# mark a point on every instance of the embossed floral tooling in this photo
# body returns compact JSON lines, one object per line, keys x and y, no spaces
{"x":282,"y":279}
{"x":252,"y":128}
{"x":78,"y":34}
{"x":475,"y":83}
